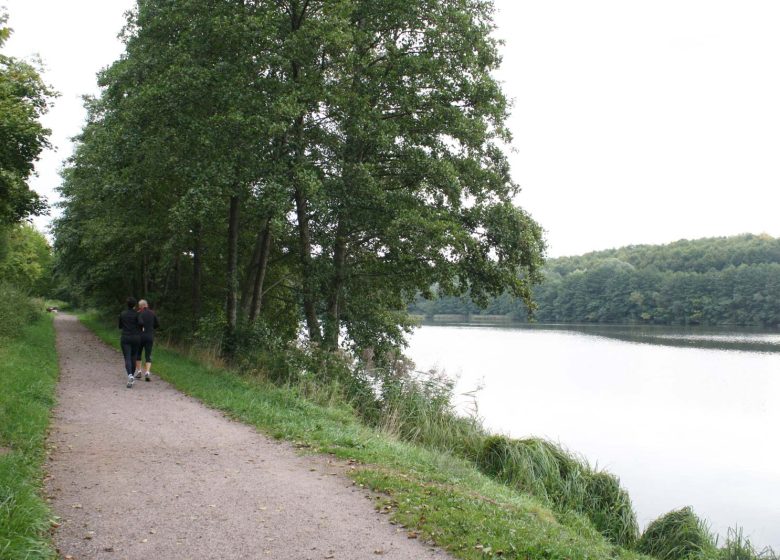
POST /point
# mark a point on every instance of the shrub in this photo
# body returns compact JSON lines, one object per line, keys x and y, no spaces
{"x":16,"y":311}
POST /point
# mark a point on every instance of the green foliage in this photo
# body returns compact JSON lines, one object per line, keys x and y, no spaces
{"x":16,"y":311}
{"x":28,"y":374}
{"x":323,"y":161}
{"x":564,"y":481}
{"x":24,"y":99}
{"x":678,"y":535}
{"x":26,"y":259}
{"x":717,"y":281}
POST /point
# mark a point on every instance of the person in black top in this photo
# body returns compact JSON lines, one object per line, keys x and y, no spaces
{"x":130,"y":325}
{"x":149,"y":322}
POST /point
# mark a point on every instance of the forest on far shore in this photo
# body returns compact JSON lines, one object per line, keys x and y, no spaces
{"x":712,"y":281}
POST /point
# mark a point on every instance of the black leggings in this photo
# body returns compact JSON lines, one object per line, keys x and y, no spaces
{"x":145,"y":347}
{"x":130,"y":349}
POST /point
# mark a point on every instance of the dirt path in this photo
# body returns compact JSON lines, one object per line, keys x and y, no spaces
{"x":148,"y":473}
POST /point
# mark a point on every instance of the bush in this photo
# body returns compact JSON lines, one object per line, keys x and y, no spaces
{"x":678,"y":535}
{"x":564,"y":481}
{"x":16,"y":311}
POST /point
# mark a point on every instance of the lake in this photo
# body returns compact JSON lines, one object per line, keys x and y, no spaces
{"x":682,"y":416}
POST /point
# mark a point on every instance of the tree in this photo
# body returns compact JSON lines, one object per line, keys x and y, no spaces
{"x":24,"y":98}
{"x":26,"y":260}
{"x":315,"y":161}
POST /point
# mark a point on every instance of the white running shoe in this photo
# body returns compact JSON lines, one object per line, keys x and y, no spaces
{"x":148,"y":376}
{"x":130,"y":381}
{"x":138,"y":374}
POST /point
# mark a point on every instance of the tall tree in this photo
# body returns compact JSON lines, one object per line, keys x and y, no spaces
{"x":338,"y":155}
{"x":24,"y":99}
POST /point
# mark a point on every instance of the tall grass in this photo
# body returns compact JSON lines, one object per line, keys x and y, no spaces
{"x":564,"y":481}
{"x":678,"y":535}
{"x":739,"y":547}
{"x":28,"y":373}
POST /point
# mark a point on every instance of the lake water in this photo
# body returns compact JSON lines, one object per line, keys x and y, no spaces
{"x":683,"y":417}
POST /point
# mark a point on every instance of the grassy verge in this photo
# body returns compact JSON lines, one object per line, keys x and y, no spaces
{"x":28,"y":375}
{"x":437,"y":497}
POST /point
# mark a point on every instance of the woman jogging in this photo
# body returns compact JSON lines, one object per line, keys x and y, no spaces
{"x":130,"y":325}
{"x":149,"y":322}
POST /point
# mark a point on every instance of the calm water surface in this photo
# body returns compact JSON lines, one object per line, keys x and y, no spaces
{"x":682,"y":417}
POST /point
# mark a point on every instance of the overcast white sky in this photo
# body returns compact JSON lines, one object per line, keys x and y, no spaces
{"x":634,"y":121}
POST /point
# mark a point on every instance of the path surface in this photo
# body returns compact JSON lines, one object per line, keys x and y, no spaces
{"x":148,"y":473}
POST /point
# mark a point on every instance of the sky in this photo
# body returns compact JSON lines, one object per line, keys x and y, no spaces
{"x":633,"y":121}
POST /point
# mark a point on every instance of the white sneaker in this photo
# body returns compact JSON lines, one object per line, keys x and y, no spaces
{"x":138,"y":373}
{"x":148,"y":376}
{"x":130,"y":381}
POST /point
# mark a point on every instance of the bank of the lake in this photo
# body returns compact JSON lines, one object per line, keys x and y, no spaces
{"x":680,"y":424}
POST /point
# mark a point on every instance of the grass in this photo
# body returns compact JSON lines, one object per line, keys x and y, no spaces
{"x":678,"y":534}
{"x":28,"y":375}
{"x":435,"y":496}
{"x":564,"y":482}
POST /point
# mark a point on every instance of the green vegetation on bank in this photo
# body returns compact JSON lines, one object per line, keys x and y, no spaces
{"x":714,"y":281}
{"x":443,"y":477}
{"x":28,"y":374}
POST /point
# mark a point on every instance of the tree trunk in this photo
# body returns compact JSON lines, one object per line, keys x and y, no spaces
{"x":232,"y":277}
{"x":262,"y":267}
{"x":145,"y":275}
{"x":197,"y":273}
{"x":251,"y":272}
{"x":304,"y":235}
{"x":333,"y":317}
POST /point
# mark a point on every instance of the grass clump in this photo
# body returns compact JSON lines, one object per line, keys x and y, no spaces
{"x":563,"y":481}
{"x":28,"y":374}
{"x":678,"y":535}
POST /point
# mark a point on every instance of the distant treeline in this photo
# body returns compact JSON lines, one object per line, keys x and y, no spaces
{"x":714,"y":281}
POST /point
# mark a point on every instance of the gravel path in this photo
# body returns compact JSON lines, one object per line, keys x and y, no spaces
{"x":148,"y":473}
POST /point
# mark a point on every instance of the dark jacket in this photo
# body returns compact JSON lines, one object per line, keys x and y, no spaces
{"x":149,"y":322}
{"x":129,"y":323}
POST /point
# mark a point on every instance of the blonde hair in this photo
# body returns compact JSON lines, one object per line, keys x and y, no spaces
{"x":143,"y":303}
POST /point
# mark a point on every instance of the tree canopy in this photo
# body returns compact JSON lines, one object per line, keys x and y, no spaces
{"x":24,"y":98}
{"x":317,"y":162}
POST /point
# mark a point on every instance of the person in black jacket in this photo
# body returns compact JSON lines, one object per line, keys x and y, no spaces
{"x":149,"y":323}
{"x":130,"y":325}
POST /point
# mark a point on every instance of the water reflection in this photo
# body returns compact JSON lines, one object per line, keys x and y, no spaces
{"x":681,"y":422}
